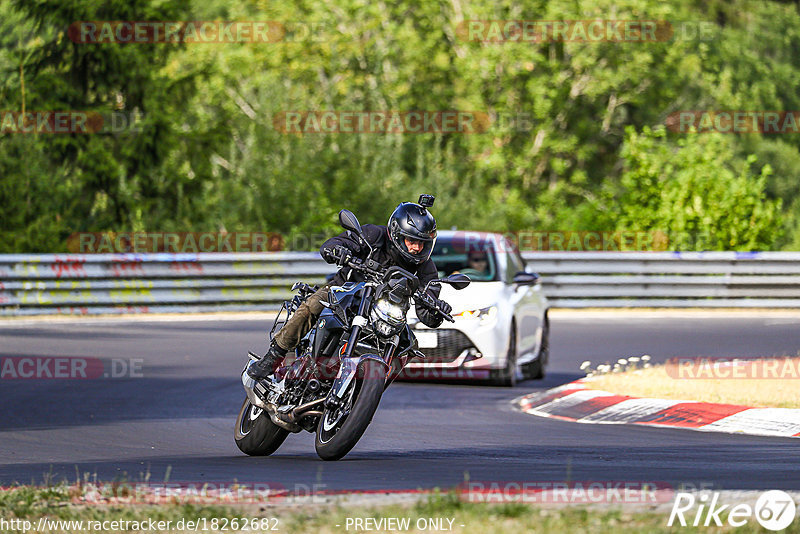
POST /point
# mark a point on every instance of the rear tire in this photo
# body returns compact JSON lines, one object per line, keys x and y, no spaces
{"x":507,"y":377}
{"x":255,"y":433}
{"x":536,"y":368}
{"x":333,"y":442}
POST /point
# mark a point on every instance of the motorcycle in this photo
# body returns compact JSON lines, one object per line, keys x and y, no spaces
{"x":359,"y":345}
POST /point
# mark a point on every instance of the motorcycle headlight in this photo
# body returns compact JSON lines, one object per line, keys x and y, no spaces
{"x":386,"y":317}
{"x":393,"y":314}
{"x":486,"y":315}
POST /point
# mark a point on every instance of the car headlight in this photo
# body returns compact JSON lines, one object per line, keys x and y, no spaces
{"x":486,"y":315}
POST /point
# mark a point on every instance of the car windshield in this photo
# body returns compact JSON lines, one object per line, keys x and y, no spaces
{"x":478,"y":261}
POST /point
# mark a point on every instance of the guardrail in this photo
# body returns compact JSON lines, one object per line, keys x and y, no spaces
{"x":34,"y":284}
{"x":669,"y":279}
{"x":141,"y":283}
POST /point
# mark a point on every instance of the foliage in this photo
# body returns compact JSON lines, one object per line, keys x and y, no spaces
{"x":565,"y":151}
{"x":696,"y":192}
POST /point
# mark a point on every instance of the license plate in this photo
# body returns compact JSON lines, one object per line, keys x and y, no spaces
{"x":427,"y":340}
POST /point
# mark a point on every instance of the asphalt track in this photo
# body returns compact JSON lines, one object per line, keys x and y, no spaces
{"x":176,"y":418}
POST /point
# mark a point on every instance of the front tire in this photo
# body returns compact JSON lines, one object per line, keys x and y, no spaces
{"x":255,"y":433}
{"x":536,"y":368}
{"x":340,"y":429}
{"x":507,"y":376}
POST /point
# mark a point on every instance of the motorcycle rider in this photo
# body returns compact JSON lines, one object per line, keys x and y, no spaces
{"x":406,"y":241}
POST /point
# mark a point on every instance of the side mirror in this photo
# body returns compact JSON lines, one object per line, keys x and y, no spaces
{"x":349,"y":221}
{"x":526,"y":279}
{"x":457,"y":281}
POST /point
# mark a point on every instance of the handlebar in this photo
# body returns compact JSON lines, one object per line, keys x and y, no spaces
{"x":375,"y":271}
{"x":419,"y":296}
{"x":447,"y":316}
{"x":368,"y":267}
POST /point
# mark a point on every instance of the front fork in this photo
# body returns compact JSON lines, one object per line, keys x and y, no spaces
{"x":358,"y":322}
{"x":349,"y":363}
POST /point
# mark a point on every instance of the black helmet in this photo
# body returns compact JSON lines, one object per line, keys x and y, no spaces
{"x":412,"y":221}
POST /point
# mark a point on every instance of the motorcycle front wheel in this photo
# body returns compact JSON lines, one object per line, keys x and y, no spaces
{"x":340,"y":429}
{"x":255,"y":433}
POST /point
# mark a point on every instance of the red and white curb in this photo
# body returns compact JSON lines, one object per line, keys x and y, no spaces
{"x":577,"y":402}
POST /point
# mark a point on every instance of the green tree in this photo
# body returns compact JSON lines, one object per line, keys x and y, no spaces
{"x":85,"y":182}
{"x":696,"y":192}
{"x":208,"y":157}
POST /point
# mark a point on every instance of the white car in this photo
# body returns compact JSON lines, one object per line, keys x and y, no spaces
{"x":501,"y":327}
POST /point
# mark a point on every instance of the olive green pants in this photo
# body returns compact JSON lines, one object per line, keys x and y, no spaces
{"x":302,"y":320}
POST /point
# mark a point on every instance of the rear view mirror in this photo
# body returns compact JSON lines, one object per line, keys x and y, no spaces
{"x":457,"y":281}
{"x":349,"y":221}
{"x":526,"y":279}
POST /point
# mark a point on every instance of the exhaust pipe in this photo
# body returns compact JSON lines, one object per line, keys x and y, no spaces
{"x":286,"y":420}
{"x":249,"y":387}
{"x":289,"y":419}
{"x":305,"y":409}
{"x":286,"y":425}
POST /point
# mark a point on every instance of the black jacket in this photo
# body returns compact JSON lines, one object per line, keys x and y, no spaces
{"x":378,"y":237}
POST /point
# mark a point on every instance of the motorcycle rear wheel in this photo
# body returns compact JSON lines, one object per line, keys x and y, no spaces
{"x":255,"y":433}
{"x":340,"y":429}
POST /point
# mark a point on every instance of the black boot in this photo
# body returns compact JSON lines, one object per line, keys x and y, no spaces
{"x":267,"y":364}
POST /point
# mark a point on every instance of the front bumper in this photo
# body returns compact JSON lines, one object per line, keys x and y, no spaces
{"x":465,"y":344}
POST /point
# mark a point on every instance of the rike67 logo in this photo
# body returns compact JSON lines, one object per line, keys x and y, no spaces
{"x":774,"y":510}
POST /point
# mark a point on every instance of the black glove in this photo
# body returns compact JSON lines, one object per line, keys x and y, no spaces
{"x":337,"y":254}
{"x":443,"y":306}
{"x":429,"y":317}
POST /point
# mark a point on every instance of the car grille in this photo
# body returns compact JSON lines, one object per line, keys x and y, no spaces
{"x":450,"y":344}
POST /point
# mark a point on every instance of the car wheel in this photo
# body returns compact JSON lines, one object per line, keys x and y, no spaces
{"x":507,"y":376}
{"x":536,"y":368}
